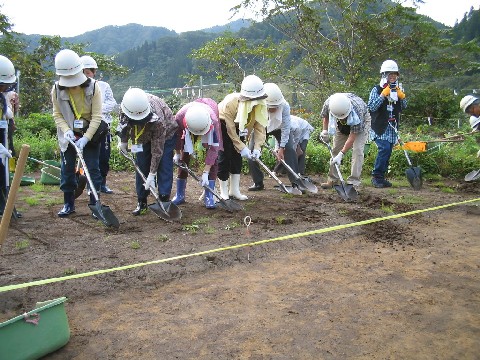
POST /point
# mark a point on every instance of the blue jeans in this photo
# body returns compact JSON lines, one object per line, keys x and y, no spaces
{"x":383,"y":158}
{"x":68,"y":179}
{"x":164,"y":171}
{"x":105,"y":151}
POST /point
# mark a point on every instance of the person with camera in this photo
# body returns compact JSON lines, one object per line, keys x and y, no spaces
{"x":386,"y":102}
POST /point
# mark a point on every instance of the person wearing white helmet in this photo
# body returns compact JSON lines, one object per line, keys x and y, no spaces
{"x":8,"y":102}
{"x":198,"y":120}
{"x":77,"y":111}
{"x":243,"y":119}
{"x":386,"y":102}
{"x":346,"y":117}
{"x":148,"y":122}
{"x":471,"y":105}
{"x":108,"y":105}
{"x":279,"y":126}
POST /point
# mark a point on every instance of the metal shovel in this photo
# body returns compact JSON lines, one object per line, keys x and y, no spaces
{"x":413,"y":173}
{"x":101,"y":212}
{"x":165,"y":210}
{"x":227,"y":204}
{"x":303,"y":183}
{"x":473,"y":175}
{"x":286,"y":189}
{"x":346,"y":191}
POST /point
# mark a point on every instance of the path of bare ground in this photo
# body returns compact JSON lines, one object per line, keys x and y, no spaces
{"x":397,"y":289}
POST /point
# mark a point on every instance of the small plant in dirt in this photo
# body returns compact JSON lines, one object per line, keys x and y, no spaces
{"x":53,"y":201}
{"x":135,"y":245}
{"x":209,"y":230}
{"x":191,"y":228}
{"x":69,"y":271}
{"x":280,"y":220}
{"x":163,"y":238}
{"x":447,"y":190}
{"x":232,"y":225}
{"x":386,"y":208}
{"x":20,"y":245}
{"x":32,"y":201}
{"x":202,"y":220}
{"x":410,"y":199}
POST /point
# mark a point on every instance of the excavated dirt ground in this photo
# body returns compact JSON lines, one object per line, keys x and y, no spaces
{"x":402,"y":288}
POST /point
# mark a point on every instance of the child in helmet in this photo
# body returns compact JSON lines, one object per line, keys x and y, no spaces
{"x":243,"y":118}
{"x":198,"y":119}
{"x":77,"y":111}
{"x":149,"y":123}
{"x":386,"y":102}
{"x":346,"y":117}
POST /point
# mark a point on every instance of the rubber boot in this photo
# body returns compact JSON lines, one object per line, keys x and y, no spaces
{"x":179,"y":197}
{"x":209,"y":199}
{"x":235,"y":187}
{"x":224,"y":189}
{"x":69,"y":204}
{"x":141,"y":208}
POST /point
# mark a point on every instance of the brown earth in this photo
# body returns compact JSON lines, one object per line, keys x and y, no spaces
{"x":401,"y":288}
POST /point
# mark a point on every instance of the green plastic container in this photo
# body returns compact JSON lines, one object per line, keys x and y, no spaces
{"x":22,"y":339}
{"x":50,"y":176}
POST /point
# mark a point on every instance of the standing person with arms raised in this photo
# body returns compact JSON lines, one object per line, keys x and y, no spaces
{"x":108,"y":105}
{"x":243,"y":117}
{"x":77,"y":111}
{"x":386,"y":102}
{"x":149,"y":123}
{"x":346,"y":117}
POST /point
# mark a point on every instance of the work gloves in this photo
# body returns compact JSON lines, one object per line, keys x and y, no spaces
{"x":385,"y":92}
{"x":400,"y":93}
{"x":337,"y":159}
{"x":204,"y":181}
{"x":150,"y":181}
{"x":4,"y":151}
{"x":122,"y":147}
{"x":324,"y":136}
{"x":256,"y":154}
{"x":82,"y":142}
{"x":69,"y":135}
{"x":246,"y":153}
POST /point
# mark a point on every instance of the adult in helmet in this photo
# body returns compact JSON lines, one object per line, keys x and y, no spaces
{"x":346,"y":117}
{"x":198,"y":120}
{"x":279,"y":126}
{"x":148,"y":122}
{"x":386,"y":102}
{"x":77,"y":111}
{"x":243,"y":118}
{"x":108,"y":105}
{"x":471,"y":105}
{"x":8,"y":103}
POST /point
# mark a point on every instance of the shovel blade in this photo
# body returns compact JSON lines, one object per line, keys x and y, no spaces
{"x":307,"y":185}
{"x":81,"y":184}
{"x":104,"y":214}
{"x":171,"y":213}
{"x":414,"y":177}
{"x":473,"y":175}
{"x":347,"y":192}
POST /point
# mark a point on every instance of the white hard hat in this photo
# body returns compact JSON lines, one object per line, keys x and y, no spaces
{"x":67,"y":63}
{"x":135,"y":104}
{"x":474,"y":121}
{"x":198,"y":120}
{"x":252,"y":87}
{"x":340,"y":105}
{"x":7,"y":71}
{"x":389,"y":66}
{"x":466,"y":102}
{"x":275,"y":96}
{"x":72,"y":80}
{"x":88,"y":62}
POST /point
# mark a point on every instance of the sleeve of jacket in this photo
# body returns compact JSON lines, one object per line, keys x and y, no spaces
{"x":285,"y":128}
{"x":230,"y":114}
{"x":96,"y":113}
{"x":57,"y":114}
{"x":158,"y":142}
{"x":109,"y":101}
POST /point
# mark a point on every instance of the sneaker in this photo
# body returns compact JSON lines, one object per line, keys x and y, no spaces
{"x":379,"y":183}
{"x":387,"y":183}
{"x":256,"y":187}
{"x":106,"y":190}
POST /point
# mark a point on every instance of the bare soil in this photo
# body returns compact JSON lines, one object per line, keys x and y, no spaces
{"x":402,"y":288}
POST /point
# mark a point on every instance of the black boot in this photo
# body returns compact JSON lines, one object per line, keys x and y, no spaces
{"x":256,"y":187}
{"x":69,"y":204}
{"x":141,"y":208}
{"x":104,"y":188}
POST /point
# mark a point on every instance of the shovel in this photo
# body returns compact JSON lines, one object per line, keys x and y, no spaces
{"x":413,"y":173}
{"x":303,"y":183}
{"x":81,"y":179}
{"x":346,"y":191}
{"x":165,"y":210}
{"x":286,"y":189}
{"x":473,"y":175}
{"x":101,"y":212}
{"x":227,"y":204}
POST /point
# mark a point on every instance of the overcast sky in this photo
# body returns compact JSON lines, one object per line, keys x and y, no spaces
{"x":71,"y":18}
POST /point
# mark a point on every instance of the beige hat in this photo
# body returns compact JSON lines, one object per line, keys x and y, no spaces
{"x":72,"y":80}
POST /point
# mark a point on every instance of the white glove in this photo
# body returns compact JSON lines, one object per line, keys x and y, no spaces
{"x":246,"y":153}
{"x":4,"y":151}
{"x":122,"y":147}
{"x":176,"y":158}
{"x":81,"y":142}
{"x":204,"y":181}
{"x":69,"y":135}
{"x":337,"y":159}
{"x":324,"y":136}
{"x":256,"y":154}
{"x":150,"y":181}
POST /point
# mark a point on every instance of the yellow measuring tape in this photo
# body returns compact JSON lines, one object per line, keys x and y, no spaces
{"x":280,"y":238}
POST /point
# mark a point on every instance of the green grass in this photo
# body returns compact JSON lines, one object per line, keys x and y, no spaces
{"x":386,"y":208}
{"x":135,"y":245}
{"x":20,"y":245}
{"x":410,"y":199}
